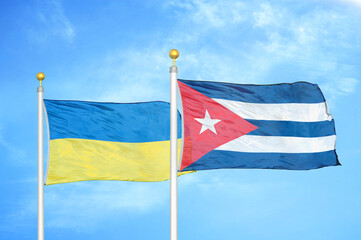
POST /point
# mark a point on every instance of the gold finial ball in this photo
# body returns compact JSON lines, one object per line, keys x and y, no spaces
{"x":173,"y":53}
{"x":40,"y":76}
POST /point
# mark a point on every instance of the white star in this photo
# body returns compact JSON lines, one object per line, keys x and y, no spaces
{"x":207,"y":123}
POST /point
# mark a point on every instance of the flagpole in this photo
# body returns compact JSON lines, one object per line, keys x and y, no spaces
{"x":40,"y":76}
{"x":173,"y":148}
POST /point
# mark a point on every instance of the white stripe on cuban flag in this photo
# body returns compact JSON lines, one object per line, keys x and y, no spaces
{"x":251,"y":143}
{"x":299,"y":112}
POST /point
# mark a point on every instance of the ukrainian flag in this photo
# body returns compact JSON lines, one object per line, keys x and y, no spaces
{"x":108,"y":141}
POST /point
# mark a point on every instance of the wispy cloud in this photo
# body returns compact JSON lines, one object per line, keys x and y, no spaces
{"x":52,"y":22}
{"x":235,"y":42}
{"x":209,"y":14}
{"x":356,"y":3}
{"x":267,"y":16}
{"x":310,"y":43}
{"x":335,"y":88}
{"x":225,"y":186}
{"x":135,"y":75}
{"x":84,"y":205}
{"x":11,"y":150}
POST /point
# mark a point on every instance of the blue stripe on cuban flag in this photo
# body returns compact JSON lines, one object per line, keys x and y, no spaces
{"x":294,"y":129}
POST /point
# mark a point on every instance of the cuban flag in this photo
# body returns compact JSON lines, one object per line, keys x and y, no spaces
{"x":279,"y":126}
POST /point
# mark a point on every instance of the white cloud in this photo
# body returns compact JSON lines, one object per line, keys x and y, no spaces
{"x":210,"y":13}
{"x":135,"y":75}
{"x":82,"y":206}
{"x":267,"y":16}
{"x":338,"y":87}
{"x":356,"y":3}
{"x":348,"y":85}
{"x":314,"y":44}
{"x":13,"y":151}
{"x":310,"y":42}
{"x":52,"y":22}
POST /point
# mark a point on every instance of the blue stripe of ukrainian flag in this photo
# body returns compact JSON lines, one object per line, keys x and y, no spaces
{"x":108,"y":141}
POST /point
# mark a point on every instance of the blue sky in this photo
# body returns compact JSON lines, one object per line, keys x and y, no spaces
{"x":118,"y":51}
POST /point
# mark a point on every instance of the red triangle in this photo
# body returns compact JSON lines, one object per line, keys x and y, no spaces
{"x":197,"y":144}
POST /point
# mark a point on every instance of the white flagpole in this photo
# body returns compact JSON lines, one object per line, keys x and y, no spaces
{"x":40,"y":76}
{"x":173,"y":148}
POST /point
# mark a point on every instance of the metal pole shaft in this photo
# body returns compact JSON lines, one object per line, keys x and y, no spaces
{"x":40,"y":91}
{"x":173,"y":155}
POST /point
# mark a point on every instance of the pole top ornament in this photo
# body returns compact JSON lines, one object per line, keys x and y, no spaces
{"x":173,"y":54}
{"x":40,"y":76}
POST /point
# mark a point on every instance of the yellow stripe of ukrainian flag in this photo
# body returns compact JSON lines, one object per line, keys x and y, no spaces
{"x":73,"y":160}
